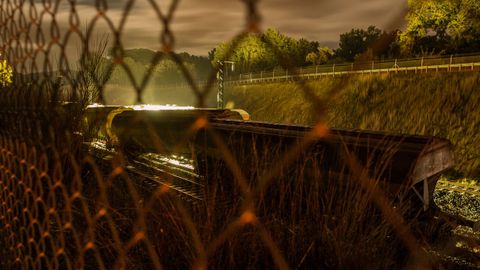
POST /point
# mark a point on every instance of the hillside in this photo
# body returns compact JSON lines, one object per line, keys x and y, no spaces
{"x":443,"y":104}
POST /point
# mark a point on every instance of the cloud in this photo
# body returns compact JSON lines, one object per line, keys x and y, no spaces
{"x":324,"y":21}
{"x":111,"y":4}
{"x":198,"y":26}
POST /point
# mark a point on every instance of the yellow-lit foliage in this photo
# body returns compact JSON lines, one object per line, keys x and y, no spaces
{"x":6,"y":73}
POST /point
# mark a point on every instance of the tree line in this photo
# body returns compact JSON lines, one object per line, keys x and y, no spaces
{"x":166,"y":71}
{"x":434,"y":27}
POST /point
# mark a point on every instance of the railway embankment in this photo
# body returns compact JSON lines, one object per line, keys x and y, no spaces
{"x":438,"y":104}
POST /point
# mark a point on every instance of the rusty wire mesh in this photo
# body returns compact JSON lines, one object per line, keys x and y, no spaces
{"x":63,"y":209}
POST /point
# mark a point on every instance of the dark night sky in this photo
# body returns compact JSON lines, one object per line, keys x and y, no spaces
{"x":199,"y":25}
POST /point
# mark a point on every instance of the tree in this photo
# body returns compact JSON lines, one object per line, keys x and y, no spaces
{"x":356,"y":41}
{"x":441,"y":26}
{"x":312,"y":58}
{"x":302,"y":48}
{"x":6,"y":73}
{"x":120,"y":76}
{"x":251,"y":54}
{"x":281,"y":47}
{"x":265,"y":51}
{"x":167,"y":71}
{"x":211,"y":54}
{"x":200,"y":66}
{"x":322,"y":55}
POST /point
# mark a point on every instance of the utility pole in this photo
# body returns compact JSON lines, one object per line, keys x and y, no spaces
{"x":221,"y":76}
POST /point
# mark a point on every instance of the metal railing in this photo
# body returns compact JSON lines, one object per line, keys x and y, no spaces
{"x":416,"y":65}
{"x":451,"y":63}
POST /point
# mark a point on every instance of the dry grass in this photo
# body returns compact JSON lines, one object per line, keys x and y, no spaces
{"x":443,"y":104}
{"x":308,"y":217}
{"x":315,"y":218}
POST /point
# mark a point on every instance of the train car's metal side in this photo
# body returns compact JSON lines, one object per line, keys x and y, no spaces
{"x":436,"y":157}
{"x":414,"y":162}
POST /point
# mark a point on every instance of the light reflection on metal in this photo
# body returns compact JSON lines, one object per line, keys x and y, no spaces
{"x":149,"y":107}
{"x":95,"y":105}
{"x":99,"y":144}
{"x":173,"y":160}
{"x":174,"y":171}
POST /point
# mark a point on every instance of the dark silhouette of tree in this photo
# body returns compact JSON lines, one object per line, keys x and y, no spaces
{"x":211,"y":54}
{"x":356,"y":42}
{"x":166,"y":71}
{"x":385,"y":46}
{"x":302,"y":49}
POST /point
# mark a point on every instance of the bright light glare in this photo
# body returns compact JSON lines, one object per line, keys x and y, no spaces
{"x":150,"y":107}
{"x":95,"y":105}
{"x":180,"y":163}
{"x":176,"y":160}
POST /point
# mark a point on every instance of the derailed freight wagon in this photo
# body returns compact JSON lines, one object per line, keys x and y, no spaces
{"x":230,"y":149}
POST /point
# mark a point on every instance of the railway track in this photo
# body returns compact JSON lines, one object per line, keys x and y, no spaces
{"x":152,"y":171}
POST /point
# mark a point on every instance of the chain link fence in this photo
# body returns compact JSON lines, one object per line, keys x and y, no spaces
{"x":68,"y":205}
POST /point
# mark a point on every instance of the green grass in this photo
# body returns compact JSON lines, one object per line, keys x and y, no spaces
{"x":438,"y":104}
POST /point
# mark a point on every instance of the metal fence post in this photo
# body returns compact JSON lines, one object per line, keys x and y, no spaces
{"x":220,"y":84}
{"x":450,"y":64}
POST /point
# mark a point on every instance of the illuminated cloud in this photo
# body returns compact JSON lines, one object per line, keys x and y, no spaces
{"x":198,"y":26}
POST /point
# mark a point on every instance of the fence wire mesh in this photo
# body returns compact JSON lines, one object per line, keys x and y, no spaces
{"x":258,"y":205}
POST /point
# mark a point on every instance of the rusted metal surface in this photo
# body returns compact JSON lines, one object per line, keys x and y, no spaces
{"x":400,"y":160}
